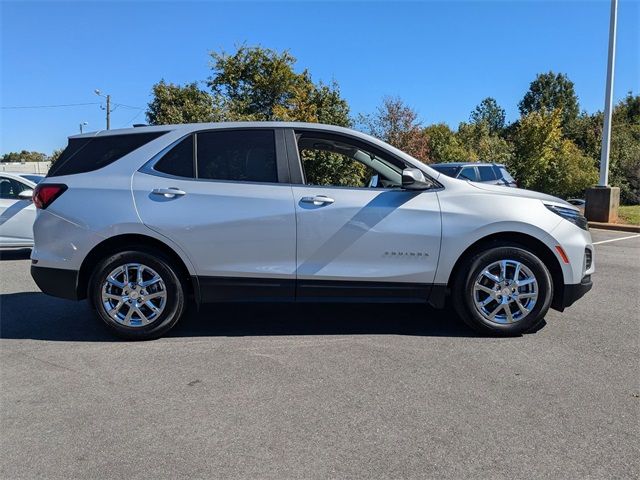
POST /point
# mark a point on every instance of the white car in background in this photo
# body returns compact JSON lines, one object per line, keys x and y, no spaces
{"x":17,"y":212}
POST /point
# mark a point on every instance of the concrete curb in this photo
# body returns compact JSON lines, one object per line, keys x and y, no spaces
{"x":621,"y":227}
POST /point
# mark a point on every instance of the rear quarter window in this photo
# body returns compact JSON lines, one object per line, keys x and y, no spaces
{"x":92,"y":153}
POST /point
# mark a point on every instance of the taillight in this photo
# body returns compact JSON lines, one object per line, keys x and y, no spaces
{"x":45,"y":194}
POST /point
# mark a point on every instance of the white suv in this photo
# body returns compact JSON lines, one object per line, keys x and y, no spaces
{"x":142,"y":220}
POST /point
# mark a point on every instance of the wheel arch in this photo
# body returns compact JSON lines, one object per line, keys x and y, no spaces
{"x":536,"y":246}
{"x":123,"y":242}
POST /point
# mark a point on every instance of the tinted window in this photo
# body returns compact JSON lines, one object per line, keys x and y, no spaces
{"x":486,"y":174}
{"x":10,"y":188}
{"x":238,"y":155}
{"x":469,"y":173}
{"x":179,"y":160}
{"x":448,"y":171}
{"x":88,"y":154}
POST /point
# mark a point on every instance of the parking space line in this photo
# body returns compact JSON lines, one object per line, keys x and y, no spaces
{"x":616,"y":239}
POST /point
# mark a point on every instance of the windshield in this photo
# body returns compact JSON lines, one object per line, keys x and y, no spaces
{"x":449,"y":171}
{"x":506,"y":175}
{"x":33,"y":178}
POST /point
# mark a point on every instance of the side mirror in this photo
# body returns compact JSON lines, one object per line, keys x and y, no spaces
{"x":25,"y":194}
{"x":414,"y":179}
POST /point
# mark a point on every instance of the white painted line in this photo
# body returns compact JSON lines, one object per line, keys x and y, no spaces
{"x":616,"y":239}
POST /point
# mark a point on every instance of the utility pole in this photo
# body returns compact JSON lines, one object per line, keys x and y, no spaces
{"x":83,"y":124}
{"x":603,"y":200}
{"x":108,"y":97}
{"x":108,"y":112}
{"x":608,"y":97}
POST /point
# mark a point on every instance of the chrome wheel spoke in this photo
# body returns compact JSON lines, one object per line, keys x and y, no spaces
{"x":485,"y":289}
{"x":507,"y":310}
{"x":114,"y":282}
{"x":495,"y":312}
{"x":151,"y":296}
{"x":153,"y":281}
{"x":521,"y":307}
{"x":491,"y":276}
{"x":139,"y":275}
{"x":525,"y":282}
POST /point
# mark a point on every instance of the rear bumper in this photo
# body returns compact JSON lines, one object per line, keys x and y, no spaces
{"x":58,"y":282}
{"x":572,"y":293}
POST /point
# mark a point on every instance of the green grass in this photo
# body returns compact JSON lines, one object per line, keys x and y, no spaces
{"x":629,"y":214}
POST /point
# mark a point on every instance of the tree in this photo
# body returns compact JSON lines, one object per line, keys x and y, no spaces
{"x":181,"y":104}
{"x":481,"y":144}
{"x":624,"y":164}
{"x":256,"y":83}
{"x":23,"y":156}
{"x":546,"y":161}
{"x":397,"y":124}
{"x":444,"y":145}
{"x":548,"y":92}
{"x":490,"y":113}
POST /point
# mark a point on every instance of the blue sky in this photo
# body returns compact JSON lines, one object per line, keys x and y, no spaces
{"x":441,"y":57}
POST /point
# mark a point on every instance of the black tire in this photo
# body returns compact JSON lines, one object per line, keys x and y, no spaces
{"x":462,"y":294}
{"x":174,"y":305}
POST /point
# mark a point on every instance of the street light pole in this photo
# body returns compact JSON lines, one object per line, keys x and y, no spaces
{"x":83,"y":124}
{"x":608,"y":97}
{"x":603,"y":200}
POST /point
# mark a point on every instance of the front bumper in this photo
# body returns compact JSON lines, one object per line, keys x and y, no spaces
{"x":58,"y":282}
{"x":574,"y":292}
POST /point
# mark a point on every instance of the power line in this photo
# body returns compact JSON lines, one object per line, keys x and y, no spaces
{"x":50,"y":106}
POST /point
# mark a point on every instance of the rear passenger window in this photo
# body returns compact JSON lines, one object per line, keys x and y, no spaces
{"x":486,"y":174}
{"x":179,"y":160}
{"x":237,"y":155}
{"x":87,"y":154}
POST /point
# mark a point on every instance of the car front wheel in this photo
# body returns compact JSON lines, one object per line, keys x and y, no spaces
{"x":138,"y":295}
{"x":504,"y":290}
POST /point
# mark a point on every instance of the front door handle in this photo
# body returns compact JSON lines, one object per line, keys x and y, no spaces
{"x":318,"y":200}
{"x":170,"y":192}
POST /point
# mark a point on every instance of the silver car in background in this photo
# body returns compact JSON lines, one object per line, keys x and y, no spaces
{"x":142,"y":221}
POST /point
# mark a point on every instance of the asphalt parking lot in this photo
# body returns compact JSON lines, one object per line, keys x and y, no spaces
{"x":323,"y":391}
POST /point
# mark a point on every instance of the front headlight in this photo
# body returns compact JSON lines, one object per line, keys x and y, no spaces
{"x":570,"y":214}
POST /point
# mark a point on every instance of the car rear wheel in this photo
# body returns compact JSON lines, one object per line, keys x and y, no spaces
{"x":504,"y":290}
{"x":138,"y":295}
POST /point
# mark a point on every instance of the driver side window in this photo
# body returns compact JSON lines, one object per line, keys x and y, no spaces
{"x":332,"y":160}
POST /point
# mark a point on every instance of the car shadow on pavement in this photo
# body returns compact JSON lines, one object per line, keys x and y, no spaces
{"x":33,"y":315}
{"x":15,"y":254}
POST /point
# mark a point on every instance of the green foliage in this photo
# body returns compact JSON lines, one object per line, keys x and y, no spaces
{"x":546,"y":161}
{"x":328,"y":168}
{"x":397,"y":124}
{"x":490,"y":113}
{"x":55,"y":155}
{"x":444,"y":145}
{"x":24,"y":156}
{"x":180,"y":104}
{"x":482,"y":145}
{"x":548,"y":92}
{"x":256,"y":83}
{"x":624,"y":160}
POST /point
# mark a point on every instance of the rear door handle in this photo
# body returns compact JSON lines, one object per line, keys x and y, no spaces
{"x":170,"y":192}
{"x":318,"y":200}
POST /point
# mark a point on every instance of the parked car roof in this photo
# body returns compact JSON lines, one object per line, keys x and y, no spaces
{"x":465,"y":164}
